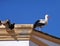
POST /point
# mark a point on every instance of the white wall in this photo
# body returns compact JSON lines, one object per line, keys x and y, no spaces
{"x":14,"y":43}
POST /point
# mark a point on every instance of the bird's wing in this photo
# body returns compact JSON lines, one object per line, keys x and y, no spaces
{"x":42,"y":21}
{"x":36,"y":21}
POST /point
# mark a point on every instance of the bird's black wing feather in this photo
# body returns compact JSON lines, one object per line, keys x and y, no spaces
{"x":36,"y":23}
{"x":11,"y":26}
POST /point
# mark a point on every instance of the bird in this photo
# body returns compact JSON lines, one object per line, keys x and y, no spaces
{"x":41,"y":22}
{"x":8,"y":24}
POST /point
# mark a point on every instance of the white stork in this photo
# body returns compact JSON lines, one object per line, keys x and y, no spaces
{"x":8,"y":24}
{"x":42,"y":22}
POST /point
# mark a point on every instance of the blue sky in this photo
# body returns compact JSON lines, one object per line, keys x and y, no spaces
{"x":28,"y":11}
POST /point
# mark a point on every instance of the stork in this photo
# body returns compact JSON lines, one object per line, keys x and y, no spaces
{"x":8,"y":24}
{"x":40,"y":23}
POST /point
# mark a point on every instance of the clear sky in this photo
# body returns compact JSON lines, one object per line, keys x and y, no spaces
{"x":28,"y":11}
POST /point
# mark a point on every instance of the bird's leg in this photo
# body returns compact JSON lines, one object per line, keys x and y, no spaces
{"x":41,"y":28}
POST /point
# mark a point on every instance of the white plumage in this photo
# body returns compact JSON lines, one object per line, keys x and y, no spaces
{"x":8,"y":24}
{"x":42,"y":22}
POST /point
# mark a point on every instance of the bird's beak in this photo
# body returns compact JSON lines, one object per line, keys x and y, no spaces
{"x":48,"y":16}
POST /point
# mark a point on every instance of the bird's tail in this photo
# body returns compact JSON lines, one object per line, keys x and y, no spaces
{"x":0,"y":22}
{"x":35,"y":24}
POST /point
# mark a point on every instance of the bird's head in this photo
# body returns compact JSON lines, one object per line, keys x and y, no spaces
{"x":46,"y":16}
{"x":5,"y":23}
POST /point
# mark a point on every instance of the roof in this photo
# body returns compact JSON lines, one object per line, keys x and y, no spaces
{"x":20,"y":32}
{"x":24,"y":32}
{"x":46,"y":36}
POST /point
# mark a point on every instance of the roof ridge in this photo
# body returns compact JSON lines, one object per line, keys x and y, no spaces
{"x":47,"y":34}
